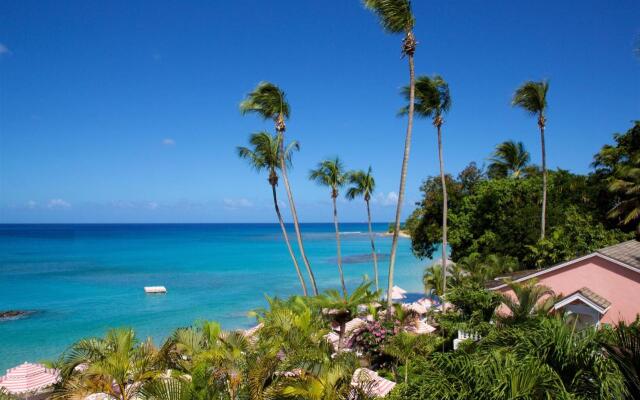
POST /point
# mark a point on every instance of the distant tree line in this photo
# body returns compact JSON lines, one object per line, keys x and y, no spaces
{"x":495,"y":211}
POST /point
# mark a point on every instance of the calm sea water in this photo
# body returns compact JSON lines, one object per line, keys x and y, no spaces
{"x":82,"y":279}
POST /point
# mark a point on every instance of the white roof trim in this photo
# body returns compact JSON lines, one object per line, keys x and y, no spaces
{"x":579,"y":296}
{"x":567,"y":263}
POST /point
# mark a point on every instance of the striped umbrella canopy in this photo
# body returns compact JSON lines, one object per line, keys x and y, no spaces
{"x":28,"y":378}
{"x":373,"y":384}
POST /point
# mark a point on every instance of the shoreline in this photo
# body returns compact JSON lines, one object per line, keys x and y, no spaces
{"x":403,"y":234}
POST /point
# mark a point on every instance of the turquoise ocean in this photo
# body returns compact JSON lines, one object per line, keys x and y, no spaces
{"x":79,"y":280}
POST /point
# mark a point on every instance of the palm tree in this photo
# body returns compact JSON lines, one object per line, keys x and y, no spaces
{"x":432,"y":100}
{"x":117,"y":365}
{"x":292,"y":326}
{"x":265,"y":155}
{"x":481,"y":268}
{"x":528,"y":299}
{"x":532,"y":97}
{"x":396,"y":17}
{"x":405,"y":346}
{"x":269,"y":101}
{"x":331,"y":173}
{"x":342,"y":308}
{"x":325,"y":379}
{"x":432,"y":280}
{"x":626,"y":182}
{"x":219,"y":354}
{"x":623,"y":347}
{"x":509,"y":159}
{"x":363,"y":184}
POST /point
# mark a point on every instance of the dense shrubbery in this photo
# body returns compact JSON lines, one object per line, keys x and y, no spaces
{"x":541,"y":360}
{"x":501,"y":215}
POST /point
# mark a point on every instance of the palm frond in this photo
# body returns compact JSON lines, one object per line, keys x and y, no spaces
{"x":267,"y":100}
{"x":395,"y":15}
{"x":532,"y":97}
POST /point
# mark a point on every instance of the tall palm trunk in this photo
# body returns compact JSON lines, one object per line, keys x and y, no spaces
{"x":294,"y":214}
{"x":373,"y":245}
{"x":286,"y":239}
{"x":335,"y":223}
{"x":445,"y":210}
{"x":403,"y":178}
{"x":543,"y":222}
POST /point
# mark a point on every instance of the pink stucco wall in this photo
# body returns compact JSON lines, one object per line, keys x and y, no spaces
{"x":618,"y":284}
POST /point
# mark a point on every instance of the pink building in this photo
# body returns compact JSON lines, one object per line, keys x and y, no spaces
{"x":601,"y":287}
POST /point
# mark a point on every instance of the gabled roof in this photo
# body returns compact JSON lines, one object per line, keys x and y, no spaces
{"x":588,"y":297}
{"x":625,"y":254}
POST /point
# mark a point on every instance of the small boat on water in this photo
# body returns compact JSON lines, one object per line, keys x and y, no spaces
{"x":155,"y":289}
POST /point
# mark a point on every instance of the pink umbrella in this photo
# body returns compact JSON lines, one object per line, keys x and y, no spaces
{"x":28,"y":378}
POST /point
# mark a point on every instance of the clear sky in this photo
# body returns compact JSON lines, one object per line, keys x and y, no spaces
{"x":127,"y":111}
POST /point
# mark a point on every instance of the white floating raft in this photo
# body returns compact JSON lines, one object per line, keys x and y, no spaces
{"x":155,"y":289}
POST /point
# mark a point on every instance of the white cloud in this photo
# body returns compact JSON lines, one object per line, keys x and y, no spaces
{"x":152,"y":205}
{"x":4,"y":49}
{"x":58,"y":204}
{"x":31,"y":204}
{"x":234,"y":204}
{"x":168,"y":142}
{"x":389,"y":199}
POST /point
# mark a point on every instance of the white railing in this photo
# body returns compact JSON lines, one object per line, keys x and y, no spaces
{"x":463,"y":335}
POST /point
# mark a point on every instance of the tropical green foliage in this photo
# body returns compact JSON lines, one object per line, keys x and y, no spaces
{"x":623,"y":347}
{"x":330,"y":173}
{"x":266,"y":100}
{"x":616,"y":173}
{"x":526,"y":300}
{"x":626,"y":184}
{"x":287,"y":356}
{"x":265,"y":154}
{"x":547,"y":360}
{"x":269,"y":102}
{"x":493,"y":217}
{"x":576,"y":235}
{"x":473,"y":302}
{"x":341,"y":308}
{"x":5,"y":395}
{"x":118,"y":365}
{"x":433,"y":100}
{"x":405,"y":347}
{"x":395,"y":15}
{"x":508,"y":159}
{"x":532,"y":97}
{"x":432,"y":97}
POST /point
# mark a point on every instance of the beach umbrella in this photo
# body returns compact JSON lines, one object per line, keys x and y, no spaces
{"x":29,"y":378}
{"x":398,"y":293}
{"x":373,"y":384}
{"x":421,"y":328}
{"x":418,"y":308}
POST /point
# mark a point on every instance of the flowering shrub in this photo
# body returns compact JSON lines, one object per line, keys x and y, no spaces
{"x":370,"y":339}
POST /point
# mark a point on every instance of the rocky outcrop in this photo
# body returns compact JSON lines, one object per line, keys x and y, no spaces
{"x":14,"y":314}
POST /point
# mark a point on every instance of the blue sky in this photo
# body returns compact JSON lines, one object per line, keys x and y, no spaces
{"x":126,"y":111}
